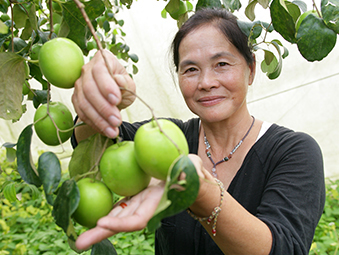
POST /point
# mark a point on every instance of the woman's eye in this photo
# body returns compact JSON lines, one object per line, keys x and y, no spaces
{"x":222,"y":64}
{"x":189,"y":70}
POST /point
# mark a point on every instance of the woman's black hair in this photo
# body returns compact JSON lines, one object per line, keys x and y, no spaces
{"x":223,"y":20}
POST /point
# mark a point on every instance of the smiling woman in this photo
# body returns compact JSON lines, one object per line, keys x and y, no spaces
{"x":269,"y":191}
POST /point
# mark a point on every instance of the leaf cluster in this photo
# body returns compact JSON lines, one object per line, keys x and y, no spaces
{"x":315,"y":37}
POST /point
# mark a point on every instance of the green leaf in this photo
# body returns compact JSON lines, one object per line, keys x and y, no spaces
{"x":175,"y":200}
{"x":40,"y":97}
{"x":301,"y":4}
{"x":4,"y":4}
{"x":19,"y":16}
{"x":10,"y":154}
{"x":4,"y":36}
{"x":87,"y":154}
{"x":12,"y":76}
{"x":78,"y":30}
{"x":26,"y":167}
{"x":9,"y":192}
{"x":249,"y":10}
{"x":208,"y":4}
{"x":264,"y":3}
{"x":282,"y":21}
{"x":135,"y":69}
{"x":232,"y":5}
{"x":34,"y":190}
{"x":250,"y":29}
{"x":20,"y":46}
{"x":330,"y":12}
{"x":315,"y":39}
{"x":105,"y":247}
{"x":285,"y":54}
{"x":293,"y":10}
{"x":3,"y":28}
{"x":35,"y":72}
{"x":270,"y":62}
{"x":10,"y":151}
{"x":176,"y":8}
{"x":275,"y":74}
{"x":164,"y":13}
{"x":31,"y":21}
{"x":65,"y":204}
{"x":50,"y":174}
{"x":133,"y":57}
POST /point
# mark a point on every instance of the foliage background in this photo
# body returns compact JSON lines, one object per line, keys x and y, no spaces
{"x":28,"y":228}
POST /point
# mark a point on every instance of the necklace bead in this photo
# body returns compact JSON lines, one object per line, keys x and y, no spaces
{"x":209,"y":155}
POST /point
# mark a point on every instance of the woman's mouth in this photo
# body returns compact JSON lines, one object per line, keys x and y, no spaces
{"x":210,"y":100}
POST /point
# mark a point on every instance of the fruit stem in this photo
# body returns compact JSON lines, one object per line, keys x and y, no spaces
{"x":50,"y":19}
{"x":316,"y":8}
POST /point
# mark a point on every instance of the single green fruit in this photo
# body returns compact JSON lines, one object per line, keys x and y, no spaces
{"x":45,"y":128}
{"x":56,"y":28}
{"x":120,"y":170}
{"x":60,"y":61}
{"x":154,"y":151}
{"x":35,"y":51}
{"x":96,"y":201}
{"x":5,"y":17}
{"x":303,"y":16}
{"x":25,"y":88}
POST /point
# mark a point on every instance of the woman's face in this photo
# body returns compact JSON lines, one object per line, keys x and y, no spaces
{"x":213,"y":75}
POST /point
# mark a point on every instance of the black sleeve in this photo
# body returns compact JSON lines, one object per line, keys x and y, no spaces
{"x":294,"y":195}
{"x":127,"y":130}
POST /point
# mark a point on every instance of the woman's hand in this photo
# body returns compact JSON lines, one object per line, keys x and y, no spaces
{"x":97,"y":96}
{"x":131,"y":214}
{"x":126,"y":216}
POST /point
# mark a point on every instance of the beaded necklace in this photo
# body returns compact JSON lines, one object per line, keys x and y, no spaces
{"x":209,"y":155}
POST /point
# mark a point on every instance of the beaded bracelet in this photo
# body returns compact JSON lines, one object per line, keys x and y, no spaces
{"x":215,"y":211}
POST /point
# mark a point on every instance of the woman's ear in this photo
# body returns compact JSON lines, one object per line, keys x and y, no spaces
{"x":252,"y":71}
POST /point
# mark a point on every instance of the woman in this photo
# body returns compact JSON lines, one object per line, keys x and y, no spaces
{"x":272,"y":176}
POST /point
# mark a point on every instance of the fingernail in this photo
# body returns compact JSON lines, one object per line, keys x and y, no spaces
{"x":112,"y":99}
{"x":114,"y":121}
{"x":110,"y":132}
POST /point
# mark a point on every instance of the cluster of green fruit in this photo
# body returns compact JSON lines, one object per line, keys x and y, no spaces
{"x":60,"y":61}
{"x":128,"y":166}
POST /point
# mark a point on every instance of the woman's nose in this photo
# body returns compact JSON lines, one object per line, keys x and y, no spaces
{"x":208,"y":80}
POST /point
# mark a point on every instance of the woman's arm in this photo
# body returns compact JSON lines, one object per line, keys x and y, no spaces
{"x":98,"y":97}
{"x":237,"y":230}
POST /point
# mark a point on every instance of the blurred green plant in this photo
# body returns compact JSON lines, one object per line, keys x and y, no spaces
{"x":27,"y":226}
{"x":326,"y":239}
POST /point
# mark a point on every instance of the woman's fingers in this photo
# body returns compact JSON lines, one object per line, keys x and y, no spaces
{"x":92,"y":236}
{"x":97,"y":95}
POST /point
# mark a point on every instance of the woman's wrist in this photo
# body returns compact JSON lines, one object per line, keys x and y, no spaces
{"x":208,"y":198}
{"x":213,"y":217}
